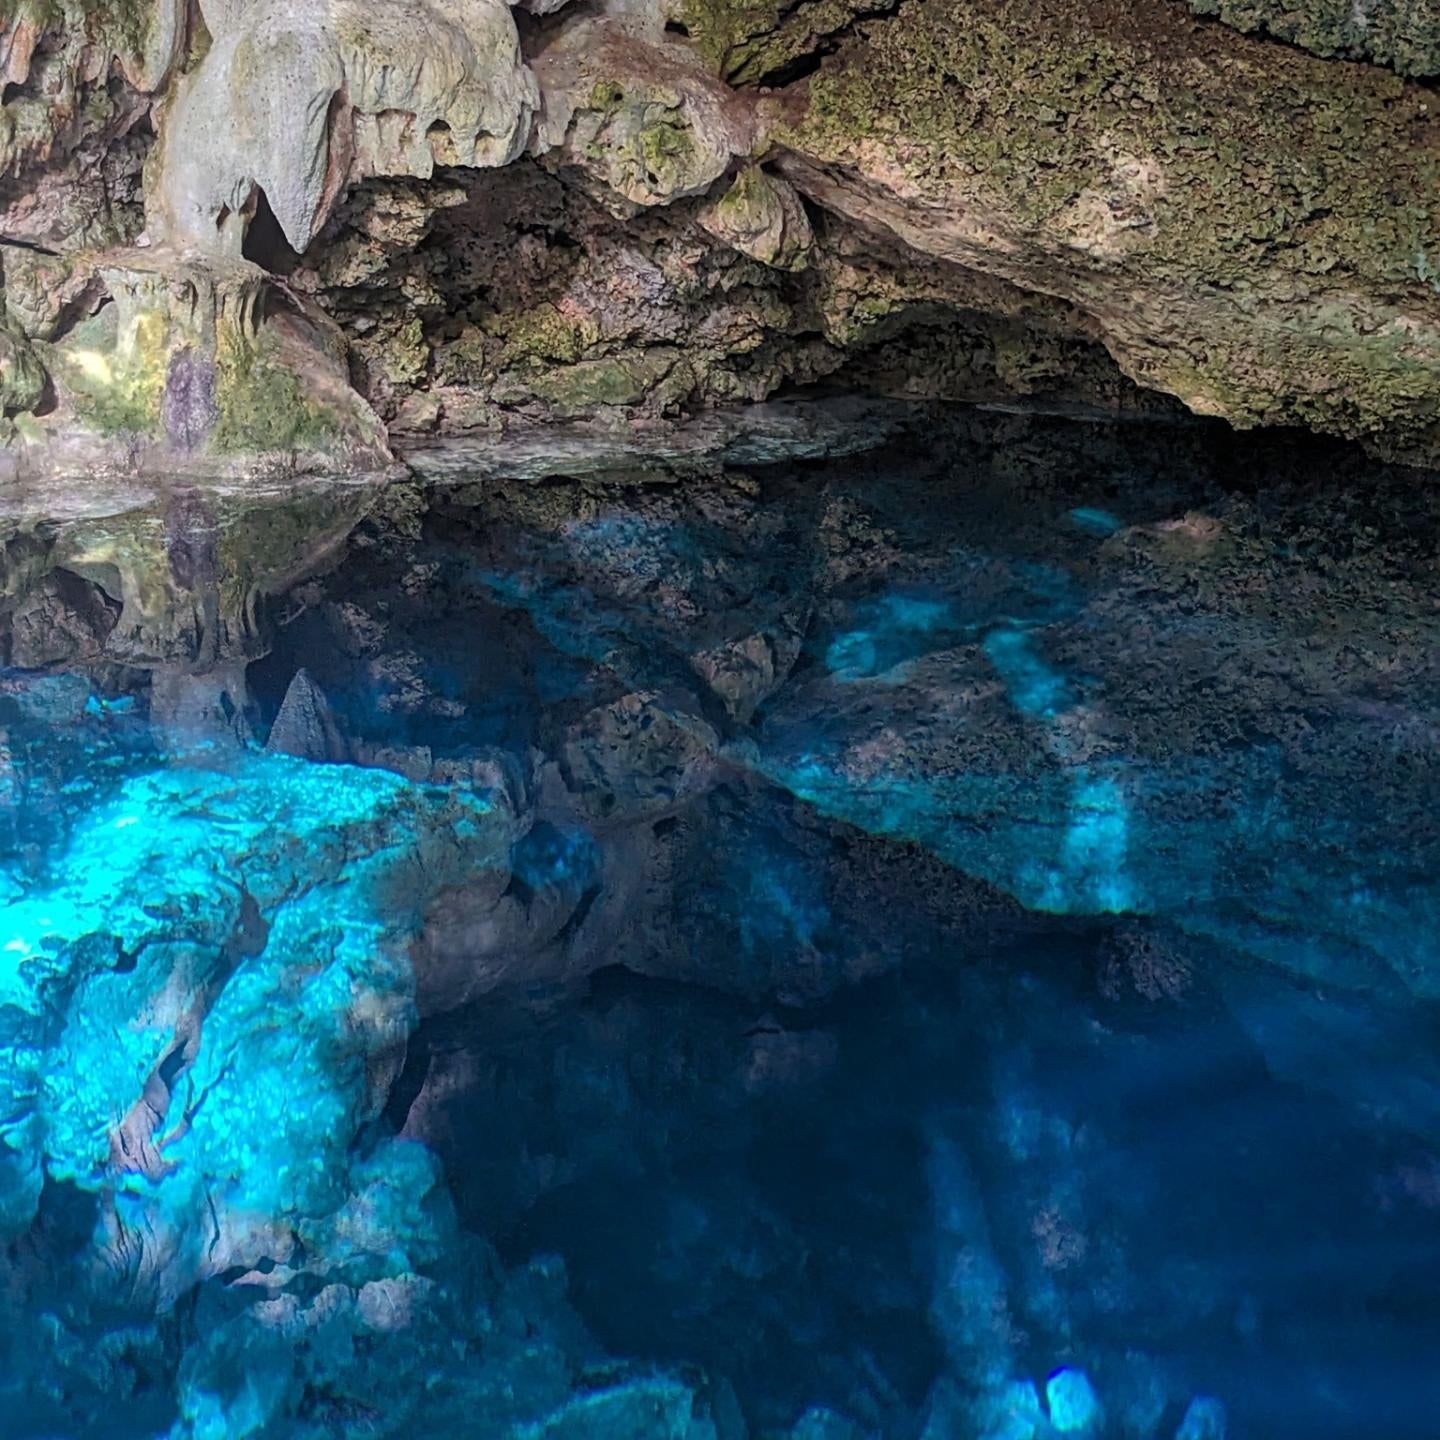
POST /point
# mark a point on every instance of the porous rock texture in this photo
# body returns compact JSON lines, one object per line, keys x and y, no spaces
{"x":270,"y":235}
{"x":1250,"y":229}
{"x":1404,"y":34}
{"x":601,"y":775}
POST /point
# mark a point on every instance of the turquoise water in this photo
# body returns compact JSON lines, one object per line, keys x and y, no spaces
{"x":895,"y":925}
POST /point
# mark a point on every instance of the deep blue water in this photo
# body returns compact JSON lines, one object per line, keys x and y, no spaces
{"x":899,"y":925}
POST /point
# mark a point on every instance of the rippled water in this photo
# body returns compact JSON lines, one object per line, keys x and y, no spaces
{"x":839,"y":923}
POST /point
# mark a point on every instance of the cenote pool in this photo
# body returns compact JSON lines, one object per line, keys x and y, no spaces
{"x":839,"y":922}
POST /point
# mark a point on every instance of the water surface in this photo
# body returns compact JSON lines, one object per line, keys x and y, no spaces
{"x":843,"y":922}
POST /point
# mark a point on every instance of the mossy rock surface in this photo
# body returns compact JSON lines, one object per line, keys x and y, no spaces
{"x":1255,"y":228}
{"x":185,"y":366}
{"x":762,"y":217}
{"x":115,"y":383}
{"x":1403,"y":34}
{"x":750,"y":41}
{"x":547,"y":335}
{"x":23,"y":379}
{"x":262,"y":406}
{"x":1237,"y":158}
{"x":592,"y":385}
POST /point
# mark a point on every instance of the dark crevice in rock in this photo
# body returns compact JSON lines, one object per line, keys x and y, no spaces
{"x":32,"y":245}
{"x":801,"y":67}
{"x":265,"y":242}
{"x":88,"y":303}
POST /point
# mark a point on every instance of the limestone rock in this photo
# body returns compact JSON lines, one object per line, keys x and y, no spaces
{"x":142,"y":37}
{"x":305,"y":726}
{"x":43,"y":290}
{"x":295,"y":100}
{"x":22,"y":376}
{"x":1404,"y":34}
{"x":1077,"y":199}
{"x":1145,"y":169}
{"x":640,"y":756}
{"x":761,"y":216}
{"x":279,"y":1035}
{"x":644,"y":120}
{"x":745,"y":672}
{"x":194,"y":365}
{"x":57,"y":55}
{"x":62,"y":620}
{"x":758,"y":41}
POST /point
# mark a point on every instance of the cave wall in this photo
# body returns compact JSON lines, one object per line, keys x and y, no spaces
{"x":273,"y":235}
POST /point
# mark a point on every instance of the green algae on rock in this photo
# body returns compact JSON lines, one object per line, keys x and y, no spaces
{"x":762,"y":217}
{"x":1249,"y":226}
{"x":185,"y":365}
{"x":750,"y":41}
{"x":1403,"y":34}
{"x":1088,"y":198}
{"x":22,"y":376}
{"x":650,"y":127}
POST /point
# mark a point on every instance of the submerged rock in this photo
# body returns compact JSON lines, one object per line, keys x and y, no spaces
{"x":190,"y":961}
{"x":1204,"y":1419}
{"x":305,"y":726}
{"x":1071,"y":1400}
{"x":715,"y":204}
{"x":673,"y":921}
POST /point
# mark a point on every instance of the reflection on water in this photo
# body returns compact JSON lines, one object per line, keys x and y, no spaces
{"x":895,"y":926}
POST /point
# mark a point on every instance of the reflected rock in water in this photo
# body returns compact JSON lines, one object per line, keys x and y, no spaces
{"x":904,"y":925}
{"x":165,"y":582}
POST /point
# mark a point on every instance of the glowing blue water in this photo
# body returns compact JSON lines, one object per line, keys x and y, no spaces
{"x":917,"y":948}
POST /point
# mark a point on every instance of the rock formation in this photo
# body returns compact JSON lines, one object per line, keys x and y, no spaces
{"x":174,"y":591}
{"x":295,"y":102}
{"x":1249,"y":229}
{"x":711,"y":866}
{"x":215,"y":218}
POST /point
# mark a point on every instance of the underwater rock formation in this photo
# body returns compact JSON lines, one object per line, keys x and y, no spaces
{"x":192,"y":1188}
{"x":1124,"y":708}
{"x":628,"y":211}
{"x":926,"y":911}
